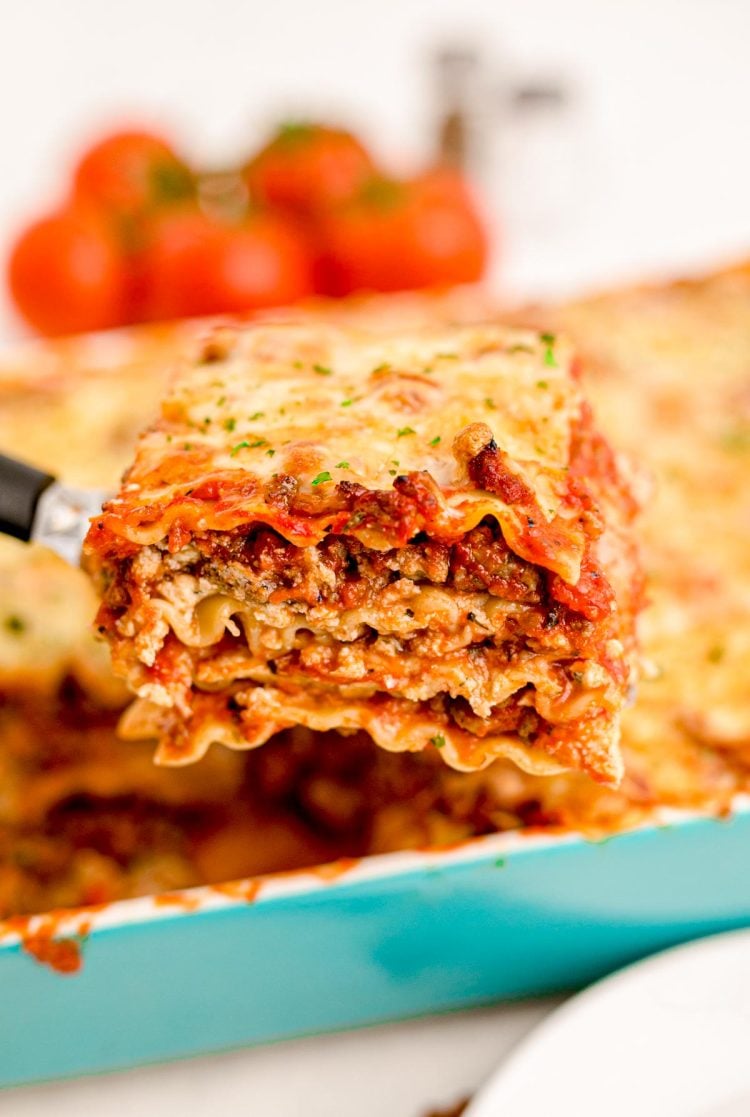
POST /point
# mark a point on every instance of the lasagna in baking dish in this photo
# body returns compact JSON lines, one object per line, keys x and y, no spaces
{"x":422,"y":536}
{"x":84,"y":818}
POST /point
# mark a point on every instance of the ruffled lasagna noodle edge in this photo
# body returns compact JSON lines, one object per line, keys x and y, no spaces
{"x":271,"y":709}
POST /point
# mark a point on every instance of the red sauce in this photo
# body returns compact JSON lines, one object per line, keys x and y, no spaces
{"x":329,"y":871}
{"x":334,"y":869}
{"x":176,"y":900}
{"x":592,"y":595}
{"x":489,"y":470}
{"x":247,"y":890}
{"x":62,"y":955}
{"x":46,"y":942}
{"x":447,"y":847}
{"x":179,"y":536}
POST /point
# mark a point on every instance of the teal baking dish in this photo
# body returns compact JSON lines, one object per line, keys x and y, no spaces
{"x":507,"y":916}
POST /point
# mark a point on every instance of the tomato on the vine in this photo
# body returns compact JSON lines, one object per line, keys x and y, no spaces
{"x":307,"y":168}
{"x":195,"y":264}
{"x":130,"y":172}
{"x":399,"y":235}
{"x":67,"y":273}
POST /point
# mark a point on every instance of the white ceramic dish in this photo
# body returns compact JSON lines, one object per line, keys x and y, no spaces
{"x":667,"y":1037}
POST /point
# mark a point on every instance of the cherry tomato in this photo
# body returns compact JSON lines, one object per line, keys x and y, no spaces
{"x":130,"y":172}
{"x":67,"y":273}
{"x":308,"y":167}
{"x":425,"y":232}
{"x":197,"y":265}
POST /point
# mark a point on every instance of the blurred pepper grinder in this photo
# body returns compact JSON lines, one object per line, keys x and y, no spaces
{"x":463,"y":127}
{"x":459,"y":97}
{"x":522,"y":143}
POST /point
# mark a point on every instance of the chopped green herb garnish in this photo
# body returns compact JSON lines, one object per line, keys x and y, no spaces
{"x":347,"y":402}
{"x":393,"y":472}
{"x":221,"y":401}
{"x":244,"y":445}
{"x":490,"y":404}
{"x":342,"y":465}
{"x":292,"y":132}
{"x":447,"y":356}
{"x":230,"y":424}
{"x":258,"y":442}
{"x":323,"y":370}
{"x":549,"y":353}
{"x":325,"y":476}
{"x":187,"y":446}
{"x":404,"y":431}
{"x":15,"y":624}
{"x":520,"y":349}
{"x":270,"y":453}
{"x":438,"y":741}
{"x":256,"y":415}
{"x":207,"y":421}
{"x":171,"y":181}
{"x":381,"y":368}
{"x":542,"y":384}
{"x":715,"y":654}
{"x":435,"y":441}
{"x":298,"y":364}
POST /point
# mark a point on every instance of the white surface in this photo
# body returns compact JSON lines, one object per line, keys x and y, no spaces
{"x":665,"y":1038}
{"x":402,"y":1070}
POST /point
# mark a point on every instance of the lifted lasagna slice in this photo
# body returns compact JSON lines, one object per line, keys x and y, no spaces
{"x":421,"y":536}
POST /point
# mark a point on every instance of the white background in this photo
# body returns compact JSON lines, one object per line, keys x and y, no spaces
{"x":663,"y":99}
{"x":663,"y":184}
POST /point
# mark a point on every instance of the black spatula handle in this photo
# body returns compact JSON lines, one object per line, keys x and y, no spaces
{"x":20,"y":488}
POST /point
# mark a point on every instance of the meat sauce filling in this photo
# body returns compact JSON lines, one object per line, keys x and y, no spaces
{"x":346,"y":575}
{"x":480,"y":562}
{"x":260,"y":566}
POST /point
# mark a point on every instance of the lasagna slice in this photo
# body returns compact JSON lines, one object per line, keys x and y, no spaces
{"x":422,"y":536}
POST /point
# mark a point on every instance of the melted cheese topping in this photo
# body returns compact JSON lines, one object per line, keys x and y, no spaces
{"x":325,"y":406}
